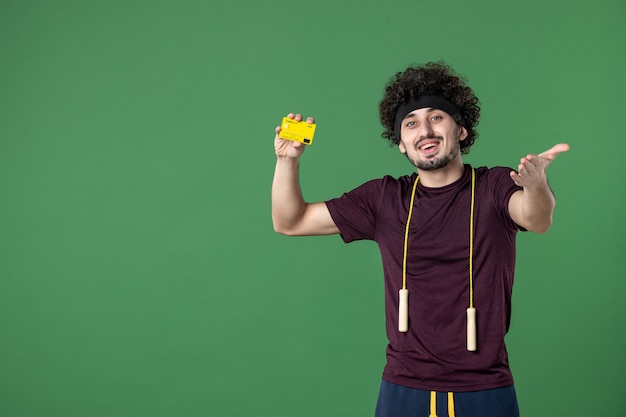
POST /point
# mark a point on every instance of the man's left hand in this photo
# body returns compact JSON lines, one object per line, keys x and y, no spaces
{"x":531,"y":171}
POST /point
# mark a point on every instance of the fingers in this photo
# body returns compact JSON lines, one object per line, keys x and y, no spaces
{"x":516,"y":179}
{"x":298,"y":117}
{"x":528,"y":172}
{"x":532,"y":168}
{"x":547,"y":156}
{"x":528,"y":165}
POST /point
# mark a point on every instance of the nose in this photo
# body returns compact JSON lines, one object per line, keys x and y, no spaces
{"x":425,"y":129}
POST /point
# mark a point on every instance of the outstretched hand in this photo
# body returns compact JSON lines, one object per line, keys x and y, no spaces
{"x":532,"y":169}
{"x":289,"y":148}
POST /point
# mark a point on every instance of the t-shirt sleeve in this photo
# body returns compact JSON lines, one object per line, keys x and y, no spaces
{"x":355,"y":212}
{"x":503,"y":187}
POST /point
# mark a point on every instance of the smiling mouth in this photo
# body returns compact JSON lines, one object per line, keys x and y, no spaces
{"x":428,"y":146}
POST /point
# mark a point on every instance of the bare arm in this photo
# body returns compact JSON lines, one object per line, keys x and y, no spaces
{"x":532,"y":207}
{"x":291,"y":215}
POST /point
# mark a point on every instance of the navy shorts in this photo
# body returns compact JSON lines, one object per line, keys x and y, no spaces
{"x":398,"y":401}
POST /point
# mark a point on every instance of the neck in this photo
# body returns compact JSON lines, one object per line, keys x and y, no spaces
{"x":441,"y":177}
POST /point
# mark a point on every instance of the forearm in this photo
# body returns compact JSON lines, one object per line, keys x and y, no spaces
{"x":537,"y":208}
{"x":288,"y":205}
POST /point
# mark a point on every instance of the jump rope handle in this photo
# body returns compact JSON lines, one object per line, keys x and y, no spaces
{"x":471,"y":329}
{"x":403,"y":311}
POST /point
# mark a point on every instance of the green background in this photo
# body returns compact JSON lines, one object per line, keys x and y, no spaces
{"x":139,"y":271}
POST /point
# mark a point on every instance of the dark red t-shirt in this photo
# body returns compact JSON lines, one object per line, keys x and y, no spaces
{"x":432,"y":355}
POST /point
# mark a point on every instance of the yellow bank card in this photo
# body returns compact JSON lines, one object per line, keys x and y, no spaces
{"x":298,"y":131}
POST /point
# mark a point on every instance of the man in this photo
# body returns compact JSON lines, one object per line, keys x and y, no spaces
{"x":447,"y":239}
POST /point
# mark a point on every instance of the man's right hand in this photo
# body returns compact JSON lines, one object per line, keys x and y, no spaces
{"x":289,"y":149}
{"x":291,"y":215}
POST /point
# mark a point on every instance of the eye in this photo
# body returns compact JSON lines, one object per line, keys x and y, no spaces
{"x":436,"y":117}
{"x":410,"y":123}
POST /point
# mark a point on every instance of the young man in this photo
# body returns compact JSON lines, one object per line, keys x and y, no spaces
{"x":447,"y":239}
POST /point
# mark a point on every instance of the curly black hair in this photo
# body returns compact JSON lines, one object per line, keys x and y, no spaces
{"x":430,"y":79}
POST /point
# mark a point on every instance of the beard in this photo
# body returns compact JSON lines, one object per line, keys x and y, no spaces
{"x":435,"y":163}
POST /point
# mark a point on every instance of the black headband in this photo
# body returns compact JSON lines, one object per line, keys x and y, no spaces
{"x":435,"y":102}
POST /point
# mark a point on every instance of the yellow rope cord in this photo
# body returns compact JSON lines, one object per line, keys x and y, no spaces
{"x":433,"y":404}
{"x":406,"y":233}
{"x":450,"y":404}
{"x":471,"y":244}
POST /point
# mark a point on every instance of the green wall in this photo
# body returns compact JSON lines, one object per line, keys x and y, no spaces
{"x":139,"y":271}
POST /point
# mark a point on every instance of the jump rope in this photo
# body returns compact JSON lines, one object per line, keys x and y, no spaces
{"x":403,"y":305}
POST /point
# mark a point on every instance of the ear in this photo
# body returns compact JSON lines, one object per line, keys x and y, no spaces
{"x":462,"y":134}
{"x":402,"y":147}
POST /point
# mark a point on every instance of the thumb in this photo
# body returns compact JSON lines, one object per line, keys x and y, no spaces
{"x":552,"y":153}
